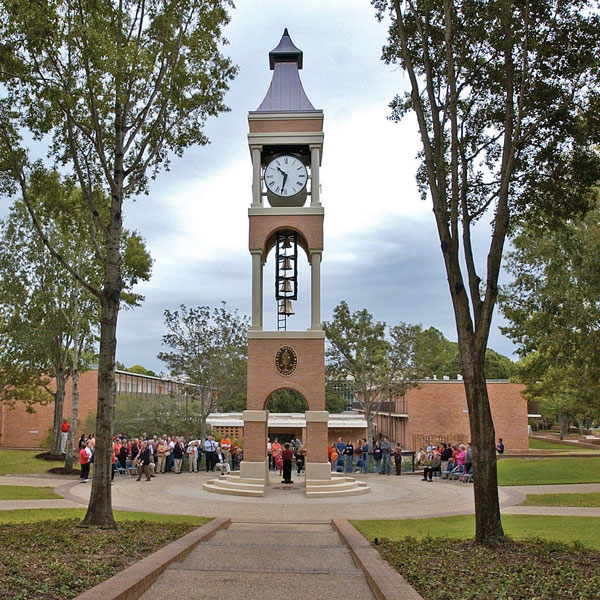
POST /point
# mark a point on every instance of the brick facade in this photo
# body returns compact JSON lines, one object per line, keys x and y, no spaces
{"x":20,"y":429}
{"x":264,"y":227}
{"x":437,"y":411}
{"x":308,"y":379}
{"x":285,"y":125}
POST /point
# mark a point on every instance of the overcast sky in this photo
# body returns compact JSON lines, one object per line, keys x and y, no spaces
{"x":381,"y":247}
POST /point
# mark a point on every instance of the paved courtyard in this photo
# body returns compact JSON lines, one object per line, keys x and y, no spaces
{"x":391,"y":497}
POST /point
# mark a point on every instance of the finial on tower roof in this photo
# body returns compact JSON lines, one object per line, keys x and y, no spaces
{"x":285,"y":51}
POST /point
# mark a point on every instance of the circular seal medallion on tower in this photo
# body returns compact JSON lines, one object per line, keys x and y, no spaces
{"x":286,"y":360}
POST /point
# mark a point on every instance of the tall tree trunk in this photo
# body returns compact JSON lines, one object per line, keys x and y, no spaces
{"x":100,"y":507}
{"x":488,"y":526}
{"x":74,"y":383}
{"x":564,"y":425}
{"x":59,"y":401}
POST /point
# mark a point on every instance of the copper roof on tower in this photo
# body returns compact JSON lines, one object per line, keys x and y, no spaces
{"x":286,"y":93}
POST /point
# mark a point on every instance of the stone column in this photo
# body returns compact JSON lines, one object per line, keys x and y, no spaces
{"x":256,"y":185}
{"x":315,"y":159}
{"x":317,"y":465}
{"x":257,"y":291}
{"x":315,"y":290}
{"x":254,"y":465}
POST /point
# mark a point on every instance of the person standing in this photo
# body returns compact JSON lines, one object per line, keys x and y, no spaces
{"x":398,"y":458}
{"x":84,"y":463}
{"x":469,"y":458}
{"x":287,"y":455}
{"x":276,"y":450}
{"x":210,"y":449}
{"x":377,"y":456}
{"x":144,"y":462}
{"x":386,"y":457}
{"x":348,"y":457}
{"x":192,"y":453}
{"x":161,"y":451}
{"x":226,"y":448}
{"x":500,"y":446}
{"x":365,"y":456}
{"x":64,"y":435}
{"x":178,"y":454}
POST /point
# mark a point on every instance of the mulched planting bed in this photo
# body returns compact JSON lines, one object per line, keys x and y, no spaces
{"x":57,"y":560}
{"x":443,"y":569}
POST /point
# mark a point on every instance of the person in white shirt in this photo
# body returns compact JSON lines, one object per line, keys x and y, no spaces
{"x":221,"y":463}
{"x":210,"y":449}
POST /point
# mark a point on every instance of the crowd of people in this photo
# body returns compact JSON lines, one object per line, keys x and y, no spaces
{"x":349,"y":457}
{"x":149,"y":456}
{"x":164,"y":454}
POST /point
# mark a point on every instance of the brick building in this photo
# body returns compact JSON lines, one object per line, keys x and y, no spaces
{"x":20,"y":429}
{"x":436,"y":411}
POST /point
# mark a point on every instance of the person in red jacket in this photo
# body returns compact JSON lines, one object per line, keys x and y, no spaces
{"x":84,"y":462}
{"x":64,"y":435}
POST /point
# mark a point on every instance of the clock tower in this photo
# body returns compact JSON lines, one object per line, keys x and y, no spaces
{"x":286,"y":219}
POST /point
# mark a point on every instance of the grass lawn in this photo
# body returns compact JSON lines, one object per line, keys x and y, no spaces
{"x":543,"y":445}
{"x":451,"y":566}
{"x":539,"y":471}
{"x":33,"y":515}
{"x":520,"y":527}
{"x":57,"y":560}
{"x":25,"y":492}
{"x":586,"y":499}
{"x":24,"y":462}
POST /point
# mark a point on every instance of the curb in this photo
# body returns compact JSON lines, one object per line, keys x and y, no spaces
{"x":133,"y":581}
{"x":385,"y":582}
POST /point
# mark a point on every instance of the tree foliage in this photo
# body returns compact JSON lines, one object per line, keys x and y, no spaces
{"x":506,"y":99}
{"x":114,"y":88}
{"x":553,"y":306}
{"x":372,"y":361}
{"x":208,"y":351}
{"x":435,"y":357}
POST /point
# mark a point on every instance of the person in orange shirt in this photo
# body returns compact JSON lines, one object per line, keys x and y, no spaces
{"x":226,"y":449}
{"x":276,"y":451}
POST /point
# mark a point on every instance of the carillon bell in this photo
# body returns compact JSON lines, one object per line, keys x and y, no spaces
{"x":285,"y":286}
{"x":285,"y":308}
{"x":287,"y":265}
{"x":287,"y":243}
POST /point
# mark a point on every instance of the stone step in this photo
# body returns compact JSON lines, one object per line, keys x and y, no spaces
{"x":333,"y":481}
{"x":289,"y":527}
{"x":237,"y":478}
{"x":332,"y":492}
{"x":239,"y":484}
{"x":232,"y":491}
{"x":342,"y":485}
{"x":244,"y":558}
{"x":275,"y":538}
{"x":207,"y":585}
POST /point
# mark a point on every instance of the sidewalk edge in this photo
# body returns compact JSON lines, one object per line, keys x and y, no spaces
{"x":133,"y":581}
{"x":385,"y":582}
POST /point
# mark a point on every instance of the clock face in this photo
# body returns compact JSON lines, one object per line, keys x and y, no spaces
{"x":286,"y":176}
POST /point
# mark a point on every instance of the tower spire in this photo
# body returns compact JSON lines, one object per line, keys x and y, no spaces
{"x":286,"y":93}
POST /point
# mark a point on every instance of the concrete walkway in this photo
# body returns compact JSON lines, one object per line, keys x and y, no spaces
{"x":266,"y":560}
{"x":391,"y":497}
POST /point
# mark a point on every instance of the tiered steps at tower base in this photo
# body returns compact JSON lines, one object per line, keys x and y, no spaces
{"x":235,"y":485}
{"x":335,"y":487}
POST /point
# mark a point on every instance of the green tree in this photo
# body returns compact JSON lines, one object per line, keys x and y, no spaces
{"x":436,"y":356}
{"x":375,"y":363}
{"x":506,"y":100}
{"x":52,"y":321}
{"x":286,"y":401}
{"x":553,"y":306}
{"x":208,"y":352}
{"x":141,"y":371}
{"x":116,"y":88}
